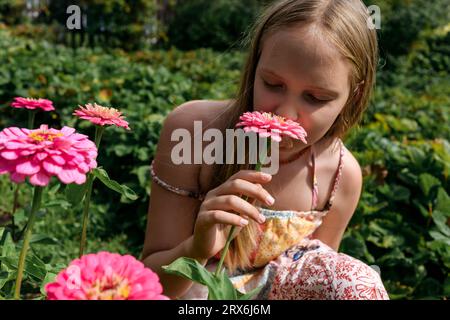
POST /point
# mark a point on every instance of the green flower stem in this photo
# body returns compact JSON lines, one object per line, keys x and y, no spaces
{"x":225,"y":250}
{"x":98,"y":137}
{"x":87,"y":201}
{"x":15,"y":203}
{"x":227,"y":244}
{"x":37,"y":197}
{"x":31,"y":116}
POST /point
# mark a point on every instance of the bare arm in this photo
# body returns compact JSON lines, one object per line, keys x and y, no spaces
{"x":344,"y":206}
{"x":174,"y":286}
{"x":171,"y":217}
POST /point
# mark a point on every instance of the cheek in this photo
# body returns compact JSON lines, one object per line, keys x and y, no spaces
{"x":321,"y":123}
{"x":317,"y":123}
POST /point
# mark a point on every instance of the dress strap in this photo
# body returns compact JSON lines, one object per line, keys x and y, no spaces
{"x":193,"y":194}
{"x":315,"y":192}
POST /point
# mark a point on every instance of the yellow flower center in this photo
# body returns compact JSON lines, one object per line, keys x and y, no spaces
{"x":104,"y":112}
{"x":271,"y":116}
{"x":40,"y":136}
{"x":109,"y":288}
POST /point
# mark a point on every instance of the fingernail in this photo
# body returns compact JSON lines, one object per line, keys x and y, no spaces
{"x":266,"y":176}
{"x":270,"y":200}
{"x":262,"y":218}
{"x":244,"y":222}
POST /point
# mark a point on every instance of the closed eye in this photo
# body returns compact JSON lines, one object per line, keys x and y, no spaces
{"x":310,"y":97}
{"x":272,"y":86}
{"x":314,"y":99}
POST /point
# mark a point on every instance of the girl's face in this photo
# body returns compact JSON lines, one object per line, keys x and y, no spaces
{"x":302,"y":77}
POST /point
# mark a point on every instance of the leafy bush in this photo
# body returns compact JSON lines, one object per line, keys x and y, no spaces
{"x":403,"y":20}
{"x":401,"y":223}
{"x":11,"y":11}
{"x":145,"y":85}
{"x":219,"y":26}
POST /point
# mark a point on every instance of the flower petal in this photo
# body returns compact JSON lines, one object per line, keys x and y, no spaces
{"x":40,"y":179}
{"x":9,"y":155}
{"x":51,"y":168}
{"x":28,"y":168}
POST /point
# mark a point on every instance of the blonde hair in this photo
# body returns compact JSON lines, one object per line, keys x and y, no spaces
{"x":345,"y":24}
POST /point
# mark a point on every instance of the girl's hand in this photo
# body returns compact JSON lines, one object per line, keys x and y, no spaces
{"x":224,"y":207}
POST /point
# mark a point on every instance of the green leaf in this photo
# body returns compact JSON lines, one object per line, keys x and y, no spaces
{"x":53,"y":190}
{"x":440,"y":220}
{"x":383,"y":233}
{"x":7,"y":246}
{"x":222,"y":289}
{"x":61,"y":203}
{"x":34,"y":266}
{"x":249,"y":295}
{"x":427,"y":182}
{"x":395,"y":192}
{"x":353,"y":246}
{"x":5,"y":276}
{"x":49,"y":277}
{"x":102,"y":175}
{"x":75,"y":193}
{"x":443,"y":202}
{"x":42,"y":239}
{"x":219,"y":288}
{"x":143,"y":174}
{"x":422,"y":209}
{"x":416,"y":155}
{"x":122,"y":150}
{"x":190,"y":269}
{"x":440,"y":237}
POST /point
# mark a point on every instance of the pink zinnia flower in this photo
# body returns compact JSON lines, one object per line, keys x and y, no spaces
{"x":270,"y":125}
{"x":105,"y":276}
{"x":42,"y":153}
{"x":102,"y":116}
{"x":33,"y":104}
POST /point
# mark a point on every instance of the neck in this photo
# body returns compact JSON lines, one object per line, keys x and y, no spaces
{"x":293,"y":156}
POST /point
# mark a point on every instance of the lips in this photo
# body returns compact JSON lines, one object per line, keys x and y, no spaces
{"x":286,"y":143}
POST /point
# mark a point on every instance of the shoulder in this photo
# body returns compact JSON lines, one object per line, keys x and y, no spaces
{"x":351,"y":172}
{"x":345,"y":202}
{"x":350,"y":184}
{"x":209,"y":114}
{"x":350,"y":178}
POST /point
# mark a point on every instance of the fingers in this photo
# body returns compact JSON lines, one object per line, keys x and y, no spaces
{"x":252,"y":176}
{"x":243,"y":187}
{"x":236,"y":204}
{"x":246,"y":182}
{"x":227,"y":218}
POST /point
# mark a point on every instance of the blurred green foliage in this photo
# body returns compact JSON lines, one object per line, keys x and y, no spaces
{"x":402,"y":220}
{"x":220,"y":25}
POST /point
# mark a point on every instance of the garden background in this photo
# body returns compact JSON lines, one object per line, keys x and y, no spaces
{"x":147,"y":57}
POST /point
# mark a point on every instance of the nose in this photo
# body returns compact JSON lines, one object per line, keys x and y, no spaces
{"x":287,"y":109}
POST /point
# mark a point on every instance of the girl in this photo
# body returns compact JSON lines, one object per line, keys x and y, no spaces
{"x":312,"y":61}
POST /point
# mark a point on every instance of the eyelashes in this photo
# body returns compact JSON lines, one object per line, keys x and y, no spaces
{"x":272,"y":86}
{"x":309,"y":97}
{"x":313,"y":99}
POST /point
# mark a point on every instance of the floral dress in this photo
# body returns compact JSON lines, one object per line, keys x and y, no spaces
{"x":288,"y":264}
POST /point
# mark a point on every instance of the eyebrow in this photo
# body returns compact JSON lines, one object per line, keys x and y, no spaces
{"x":332,"y":92}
